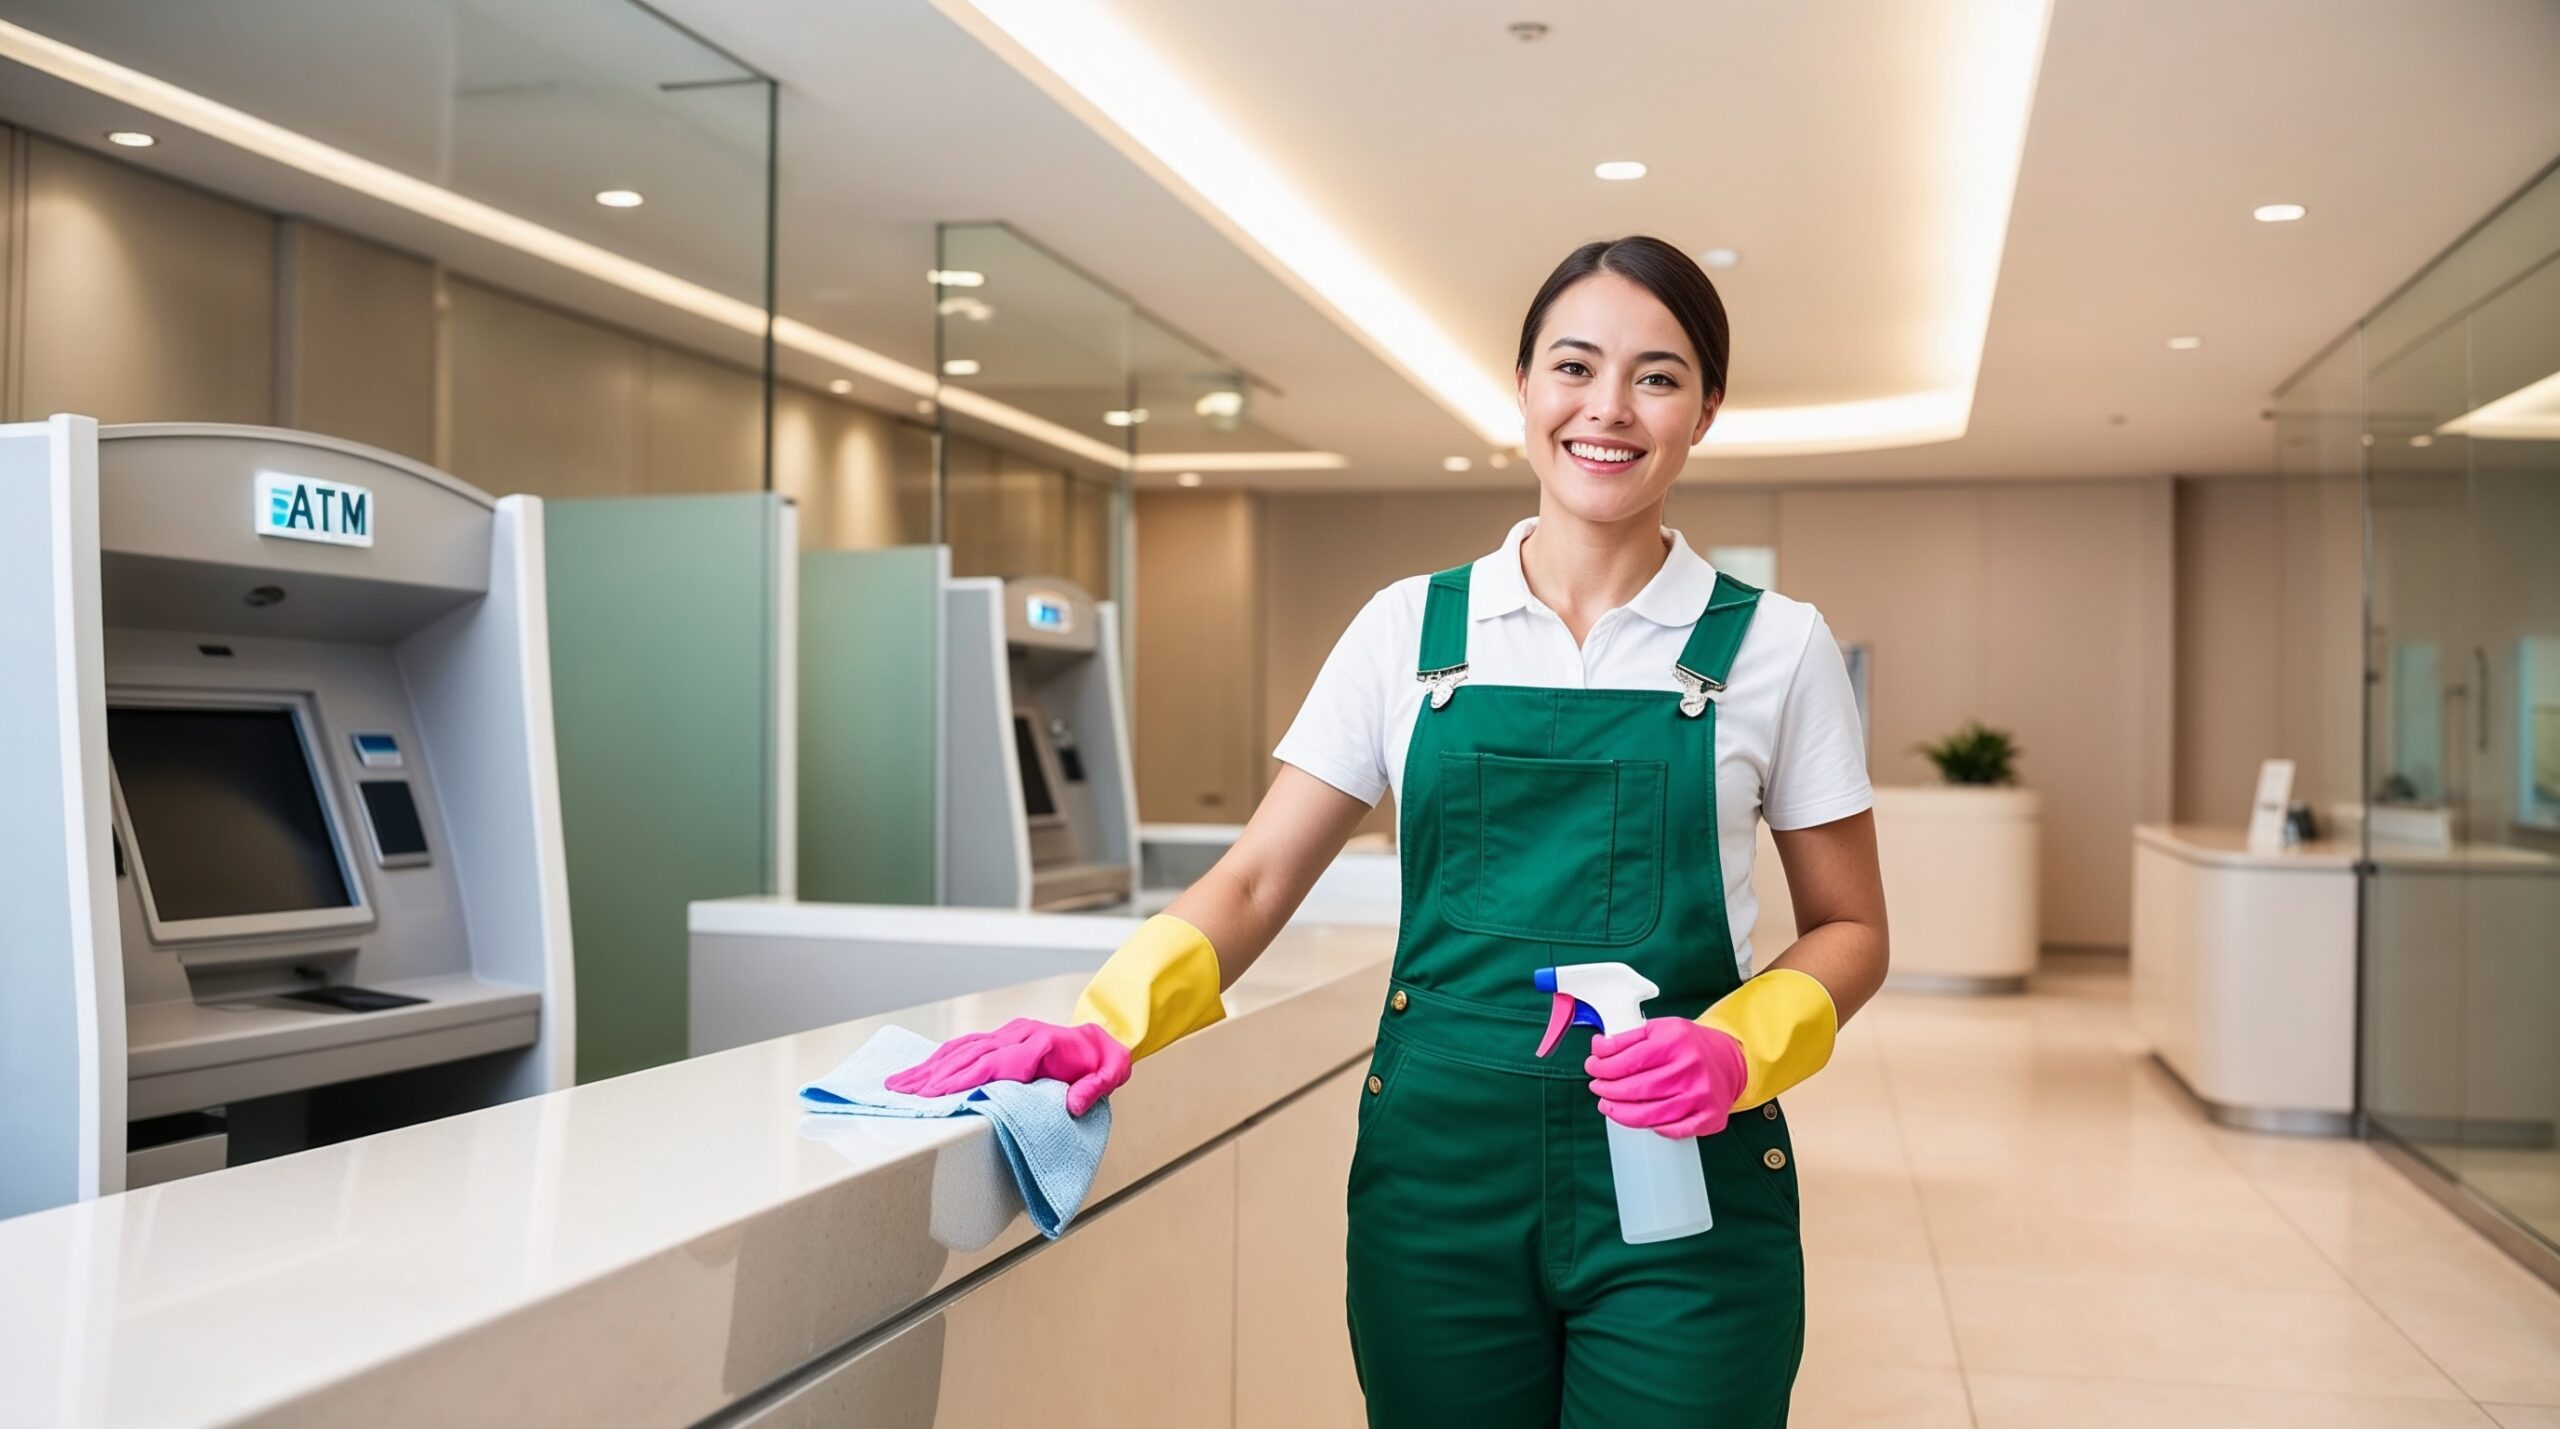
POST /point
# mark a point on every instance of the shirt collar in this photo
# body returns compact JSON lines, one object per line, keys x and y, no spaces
{"x":1675,"y":597}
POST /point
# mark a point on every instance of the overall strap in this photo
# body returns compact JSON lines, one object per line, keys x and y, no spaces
{"x":1442,"y":662}
{"x":1444,"y":624}
{"x":1706,"y":662}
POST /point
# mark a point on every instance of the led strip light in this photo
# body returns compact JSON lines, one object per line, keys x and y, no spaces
{"x":307,"y":155}
{"x":1087,"y":58}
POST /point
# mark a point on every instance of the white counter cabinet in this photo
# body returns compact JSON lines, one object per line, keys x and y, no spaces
{"x":1960,"y":887}
{"x":683,"y":1245}
{"x":2244,"y":974}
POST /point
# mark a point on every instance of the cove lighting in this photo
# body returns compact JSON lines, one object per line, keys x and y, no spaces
{"x":1969,"y":128}
{"x":2185,"y":344}
{"x":2278,"y":212}
{"x":1719,"y":258}
{"x":306,"y":155}
{"x":620,"y":198}
{"x":1188,"y":478}
{"x":960,"y":367}
{"x":1088,"y":58}
{"x":2530,"y":413}
{"x":1619,"y":169}
{"x":130,"y":138}
{"x":1240,"y":461}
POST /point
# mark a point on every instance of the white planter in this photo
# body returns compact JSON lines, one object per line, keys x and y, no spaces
{"x":1960,"y":887}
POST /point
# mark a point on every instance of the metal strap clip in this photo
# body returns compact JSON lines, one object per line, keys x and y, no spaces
{"x":1695,"y":690}
{"x":1442,"y":683}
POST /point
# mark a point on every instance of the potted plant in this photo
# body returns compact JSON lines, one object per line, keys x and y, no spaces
{"x":1960,"y":870}
{"x":1975,"y":754}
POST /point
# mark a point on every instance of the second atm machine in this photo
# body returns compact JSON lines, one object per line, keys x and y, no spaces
{"x":334,"y":837}
{"x":1039,"y":805}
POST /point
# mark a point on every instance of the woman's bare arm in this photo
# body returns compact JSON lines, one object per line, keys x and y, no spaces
{"x":1242,"y":902}
{"x":1838,"y":891}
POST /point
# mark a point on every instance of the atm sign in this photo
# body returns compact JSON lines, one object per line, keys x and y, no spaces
{"x":303,"y":508}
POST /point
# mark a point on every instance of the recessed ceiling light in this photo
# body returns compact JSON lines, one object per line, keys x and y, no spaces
{"x":1188,"y":478}
{"x":1224,"y":403}
{"x":131,"y":138}
{"x":841,"y":386}
{"x":2422,"y":440}
{"x":955,"y":278}
{"x":2278,"y":212}
{"x":1620,"y":169}
{"x":974,"y":309}
{"x":1128,"y":418}
{"x":1498,"y":460}
{"x":620,"y":198}
{"x":924,"y":407}
{"x":1455,"y":463}
{"x":1719,"y":258}
{"x":2185,"y":344}
{"x":960,"y":367}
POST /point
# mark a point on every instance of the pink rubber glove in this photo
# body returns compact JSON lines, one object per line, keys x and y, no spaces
{"x":1023,"y":1050}
{"x":1676,"y":1076}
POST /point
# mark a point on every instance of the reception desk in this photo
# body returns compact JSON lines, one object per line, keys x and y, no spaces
{"x":2244,"y":974}
{"x":683,"y":1245}
{"x":2245,"y":969}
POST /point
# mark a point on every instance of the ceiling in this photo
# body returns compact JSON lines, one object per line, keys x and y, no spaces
{"x":1458,"y":160}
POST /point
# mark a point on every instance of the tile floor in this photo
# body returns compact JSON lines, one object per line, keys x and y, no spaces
{"x":2013,"y":1220}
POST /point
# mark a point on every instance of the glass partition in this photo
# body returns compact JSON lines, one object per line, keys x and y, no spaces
{"x":2460,"y":805}
{"x":447,"y":331}
{"x":1054,"y":388}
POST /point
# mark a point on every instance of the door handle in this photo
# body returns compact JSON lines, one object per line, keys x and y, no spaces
{"x":2480,"y":704}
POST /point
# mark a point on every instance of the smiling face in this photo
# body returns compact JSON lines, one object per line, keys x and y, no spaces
{"x":1611,"y":401}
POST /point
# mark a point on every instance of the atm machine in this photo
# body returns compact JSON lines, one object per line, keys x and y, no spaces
{"x":1039,"y":802}
{"x":288,"y":866}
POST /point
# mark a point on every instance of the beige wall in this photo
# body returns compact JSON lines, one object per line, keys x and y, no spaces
{"x":133,"y":298}
{"x":357,"y":340}
{"x":2044,"y":609}
{"x":137,"y":299}
{"x":1199,"y":656}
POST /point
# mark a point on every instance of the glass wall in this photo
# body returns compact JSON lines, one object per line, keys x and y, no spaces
{"x":2460,"y":441}
{"x":1055,"y":387}
{"x":203,"y":278}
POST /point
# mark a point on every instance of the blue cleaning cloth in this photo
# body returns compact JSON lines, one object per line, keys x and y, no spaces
{"x":1053,"y":1155}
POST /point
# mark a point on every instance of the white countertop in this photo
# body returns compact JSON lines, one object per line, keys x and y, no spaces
{"x":639,"y":1251}
{"x":2203,"y":843}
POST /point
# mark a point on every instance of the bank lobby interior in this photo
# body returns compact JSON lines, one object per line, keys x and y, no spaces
{"x":773,"y":522}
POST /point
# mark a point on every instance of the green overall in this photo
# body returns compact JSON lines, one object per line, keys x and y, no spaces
{"x":1489,"y":1285}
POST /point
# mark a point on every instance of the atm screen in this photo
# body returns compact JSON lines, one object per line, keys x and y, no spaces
{"x":1037,"y":801}
{"x":226,"y":817}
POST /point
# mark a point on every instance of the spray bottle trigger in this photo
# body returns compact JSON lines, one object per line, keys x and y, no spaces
{"x":1568,"y":1010}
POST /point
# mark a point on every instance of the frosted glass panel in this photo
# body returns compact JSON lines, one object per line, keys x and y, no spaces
{"x":870,"y":722}
{"x":663,"y":673}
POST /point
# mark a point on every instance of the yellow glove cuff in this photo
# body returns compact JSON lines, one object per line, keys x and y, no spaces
{"x":1786,"y":1024}
{"x":1161,"y":985}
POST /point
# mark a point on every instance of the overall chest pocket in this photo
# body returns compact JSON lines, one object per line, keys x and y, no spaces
{"x":1555,"y":850}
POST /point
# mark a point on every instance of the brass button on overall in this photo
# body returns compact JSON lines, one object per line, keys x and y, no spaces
{"x":1772,"y":1158}
{"x":1770,"y":1112}
{"x":1398,"y":1001}
{"x":1376,"y":1086}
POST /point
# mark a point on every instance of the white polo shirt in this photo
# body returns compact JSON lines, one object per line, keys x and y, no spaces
{"x":1788,"y":745}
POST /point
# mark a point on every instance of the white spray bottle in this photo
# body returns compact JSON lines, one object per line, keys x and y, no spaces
{"x":1662,"y":1187}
